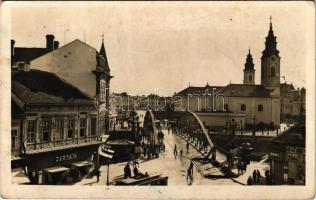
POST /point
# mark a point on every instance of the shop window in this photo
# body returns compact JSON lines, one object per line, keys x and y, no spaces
{"x":14,"y":139}
{"x":45,"y":130}
{"x":30,"y":132}
{"x":93,"y":126}
{"x":59,"y":128}
{"x":243,"y":107}
{"x":71,"y":129}
{"x":83,"y":124}
{"x":260,"y":107}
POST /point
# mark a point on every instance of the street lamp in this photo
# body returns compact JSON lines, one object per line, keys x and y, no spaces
{"x":254,"y":127}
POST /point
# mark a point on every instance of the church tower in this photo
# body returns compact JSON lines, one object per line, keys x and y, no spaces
{"x":249,"y":71}
{"x":270,"y":63}
{"x":103,"y":78}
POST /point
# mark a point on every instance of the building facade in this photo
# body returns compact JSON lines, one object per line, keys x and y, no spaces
{"x":76,"y":62}
{"x":287,"y":156}
{"x":54,"y":128}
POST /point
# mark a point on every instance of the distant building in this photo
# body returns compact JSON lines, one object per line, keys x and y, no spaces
{"x":288,"y":156}
{"x":54,"y":128}
{"x":292,"y":102}
{"x":254,"y":104}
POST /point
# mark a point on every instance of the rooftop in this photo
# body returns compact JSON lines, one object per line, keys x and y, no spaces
{"x":39,"y":87}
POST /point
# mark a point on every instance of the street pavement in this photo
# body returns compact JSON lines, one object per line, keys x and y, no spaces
{"x":168,"y":165}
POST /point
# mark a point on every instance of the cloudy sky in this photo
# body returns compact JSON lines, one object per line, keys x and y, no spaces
{"x":161,"y":47}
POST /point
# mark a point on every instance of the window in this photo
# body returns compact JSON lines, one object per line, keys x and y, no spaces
{"x":272,"y":72}
{"x":250,"y":78}
{"x":260,"y":107}
{"x":14,"y":139}
{"x":59,"y":125}
{"x":71,"y":128}
{"x":226,"y":107}
{"x":102,"y":87}
{"x":45,"y":130}
{"x":83,"y":123}
{"x":243,"y":107}
{"x":30,"y":136}
{"x":93,"y":126}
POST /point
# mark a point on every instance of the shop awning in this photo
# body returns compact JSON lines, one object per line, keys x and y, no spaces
{"x":56,"y":169}
{"x":82,"y":163}
{"x":120,"y":142}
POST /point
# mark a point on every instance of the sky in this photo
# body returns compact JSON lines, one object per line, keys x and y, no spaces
{"x":162,"y":47}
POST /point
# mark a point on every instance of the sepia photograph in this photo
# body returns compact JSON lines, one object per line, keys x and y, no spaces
{"x":203,"y":99}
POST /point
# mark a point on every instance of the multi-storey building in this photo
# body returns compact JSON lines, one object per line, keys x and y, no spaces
{"x":54,"y":128}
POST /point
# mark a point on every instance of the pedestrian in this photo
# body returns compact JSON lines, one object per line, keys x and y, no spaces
{"x":258,"y":176}
{"x":175,"y":151}
{"x":168,"y":130}
{"x":239,"y":167}
{"x":266,"y":174}
{"x":188,"y":145}
{"x":191,"y":167}
{"x":189,"y":176}
{"x":254,"y":176}
{"x":249,"y":181}
{"x":127,"y":171}
{"x":181,"y":154}
{"x":98,"y":174}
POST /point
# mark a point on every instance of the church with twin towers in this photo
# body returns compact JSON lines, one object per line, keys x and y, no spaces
{"x":247,"y":103}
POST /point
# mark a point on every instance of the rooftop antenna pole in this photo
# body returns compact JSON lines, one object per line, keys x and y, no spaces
{"x":84,"y":35}
{"x":64,"y":34}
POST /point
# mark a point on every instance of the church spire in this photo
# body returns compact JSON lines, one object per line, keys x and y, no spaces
{"x":249,"y":61}
{"x":271,"y":43}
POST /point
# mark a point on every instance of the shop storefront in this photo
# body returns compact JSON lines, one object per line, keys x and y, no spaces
{"x":62,"y":166}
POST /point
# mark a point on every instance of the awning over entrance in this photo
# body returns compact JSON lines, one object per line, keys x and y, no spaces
{"x":121,"y":142}
{"x":82,"y":164}
{"x":56,"y":169}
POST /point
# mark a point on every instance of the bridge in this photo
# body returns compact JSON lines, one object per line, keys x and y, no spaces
{"x":189,"y":127}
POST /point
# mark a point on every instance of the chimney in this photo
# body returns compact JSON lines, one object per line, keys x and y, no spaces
{"x":12,"y":48}
{"x":56,"y":45}
{"x":50,"y":42}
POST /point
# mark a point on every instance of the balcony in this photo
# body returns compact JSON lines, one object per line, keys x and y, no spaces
{"x":62,"y":143}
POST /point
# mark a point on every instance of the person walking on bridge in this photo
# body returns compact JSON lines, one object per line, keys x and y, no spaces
{"x":181,"y":154}
{"x":175,"y":151}
{"x":188,"y":145}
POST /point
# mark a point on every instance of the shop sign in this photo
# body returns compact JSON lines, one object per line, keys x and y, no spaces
{"x":66,"y":157}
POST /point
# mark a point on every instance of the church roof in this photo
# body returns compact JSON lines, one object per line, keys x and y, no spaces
{"x":245,"y":90}
{"x":39,"y":87}
{"x":199,"y":90}
{"x":286,"y":87}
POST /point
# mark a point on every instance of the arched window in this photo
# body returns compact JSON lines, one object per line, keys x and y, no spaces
{"x":260,"y":107}
{"x":250,"y":78}
{"x":243,"y":107}
{"x":272,"y":72}
{"x":226,"y":107}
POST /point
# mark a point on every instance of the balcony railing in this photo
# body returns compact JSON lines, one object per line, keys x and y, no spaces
{"x":62,"y":142}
